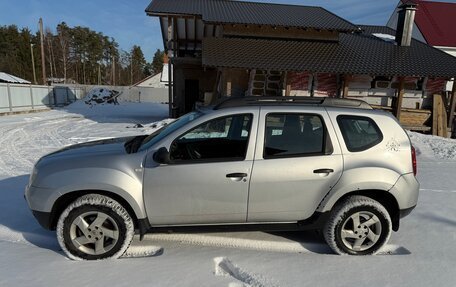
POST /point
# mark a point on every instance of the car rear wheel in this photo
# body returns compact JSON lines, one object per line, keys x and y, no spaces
{"x":94,"y":227}
{"x":358,"y":226}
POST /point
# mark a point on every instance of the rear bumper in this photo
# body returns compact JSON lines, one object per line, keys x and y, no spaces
{"x":404,"y":212}
{"x":406,"y":191}
{"x":43,"y":218}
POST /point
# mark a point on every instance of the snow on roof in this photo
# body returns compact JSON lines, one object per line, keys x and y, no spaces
{"x":4,"y":77}
{"x":164,"y":74}
{"x":385,"y":37}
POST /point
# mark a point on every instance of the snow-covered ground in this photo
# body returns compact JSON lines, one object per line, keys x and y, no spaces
{"x":422,"y":253}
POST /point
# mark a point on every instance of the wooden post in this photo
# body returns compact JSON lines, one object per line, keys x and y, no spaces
{"x":398,"y":103}
{"x":170,"y":55}
{"x":439,"y":123}
{"x":287,"y":85}
{"x":452,"y":109}
{"x":195,"y":40}
{"x":312,"y":84}
{"x":215,"y":87}
{"x":228,"y":77}
{"x":347,"y":79}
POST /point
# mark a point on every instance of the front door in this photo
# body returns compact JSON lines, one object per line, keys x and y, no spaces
{"x":208,"y":178}
{"x":296,"y":165}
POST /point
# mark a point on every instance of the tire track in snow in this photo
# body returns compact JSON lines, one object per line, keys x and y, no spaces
{"x":21,"y":143}
{"x":9,"y":157}
{"x":224,"y":267}
{"x":438,"y":190}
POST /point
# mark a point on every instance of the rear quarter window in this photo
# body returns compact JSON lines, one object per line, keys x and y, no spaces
{"x":360,"y":133}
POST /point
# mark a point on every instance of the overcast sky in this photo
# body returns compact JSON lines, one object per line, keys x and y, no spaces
{"x":126,"y":21}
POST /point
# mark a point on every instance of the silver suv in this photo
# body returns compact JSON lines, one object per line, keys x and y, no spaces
{"x":267,"y":164}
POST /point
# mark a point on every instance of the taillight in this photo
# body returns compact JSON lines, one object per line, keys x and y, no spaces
{"x":414,"y":160}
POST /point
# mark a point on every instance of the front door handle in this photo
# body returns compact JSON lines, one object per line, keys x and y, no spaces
{"x":236,"y":175}
{"x":324,"y":170}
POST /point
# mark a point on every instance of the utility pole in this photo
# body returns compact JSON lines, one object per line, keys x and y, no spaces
{"x":43,"y":65}
{"x":131,"y":69}
{"x":33,"y":63}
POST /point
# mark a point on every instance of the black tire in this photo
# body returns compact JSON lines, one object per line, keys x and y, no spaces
{"x":372,"y":232}
{"x":95,"y":227}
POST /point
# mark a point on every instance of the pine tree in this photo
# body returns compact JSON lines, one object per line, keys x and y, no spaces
{"x":157,"y":61}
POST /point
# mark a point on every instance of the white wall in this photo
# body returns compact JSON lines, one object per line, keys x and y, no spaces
{"x":132,"y":94}
{"x":21,"y":97}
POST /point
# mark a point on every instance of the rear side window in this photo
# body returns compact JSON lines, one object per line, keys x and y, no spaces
{"x":360,"y":133}
{"x":294,"y":135}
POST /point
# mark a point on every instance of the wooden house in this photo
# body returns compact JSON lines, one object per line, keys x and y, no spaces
{"x":224,"y":48}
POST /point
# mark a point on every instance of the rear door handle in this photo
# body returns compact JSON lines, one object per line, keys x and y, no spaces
{"x":324,"y":170}
{"x":236,"y":175}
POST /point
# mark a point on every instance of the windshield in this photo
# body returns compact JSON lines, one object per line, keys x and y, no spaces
{"x":168,"y":129}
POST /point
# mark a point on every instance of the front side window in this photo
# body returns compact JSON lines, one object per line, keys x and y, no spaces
{"x":294,"y":135}
{"x":221,"y":139}
{"x":360,"y":133}
{"x":168,"y":129}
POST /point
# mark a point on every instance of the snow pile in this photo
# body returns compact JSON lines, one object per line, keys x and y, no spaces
{"x":101,"y":96}
{"x":138,"y":251}
{"x":152,"y":127}
{"x":434,"y":146}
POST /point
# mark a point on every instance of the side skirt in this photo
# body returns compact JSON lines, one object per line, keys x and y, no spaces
{"x":316,"y":221}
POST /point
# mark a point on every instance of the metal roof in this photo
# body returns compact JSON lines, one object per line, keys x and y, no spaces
{"x":7,"y":78}
{"x":355,"y":53}
{"x":241,"y":12}
{"x":435,"y":21}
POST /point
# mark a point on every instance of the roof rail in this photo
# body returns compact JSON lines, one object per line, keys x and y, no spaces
{"x":231,"y":102}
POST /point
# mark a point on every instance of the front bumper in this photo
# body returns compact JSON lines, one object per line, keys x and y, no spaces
{"x":43,"y":218}
{"x":40,"y":201}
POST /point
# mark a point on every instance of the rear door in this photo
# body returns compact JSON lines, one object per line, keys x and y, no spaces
{"x":297,"y":162}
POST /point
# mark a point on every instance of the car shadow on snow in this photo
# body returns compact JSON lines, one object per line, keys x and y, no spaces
{"x":310,"y":240}
{"x":439,"y":219}
{"x":17,"y":223}
{"x":314,"y":242}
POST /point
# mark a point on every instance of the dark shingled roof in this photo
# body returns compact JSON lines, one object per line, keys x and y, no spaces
{"x":240,"y":12}
{"x":355,"y":53}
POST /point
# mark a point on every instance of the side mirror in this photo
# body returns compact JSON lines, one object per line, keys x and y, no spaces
{"x":162,"y":156}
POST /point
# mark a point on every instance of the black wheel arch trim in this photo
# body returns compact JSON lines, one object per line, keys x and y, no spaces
{"x":62,"y":202}
{"x":384,"y":197}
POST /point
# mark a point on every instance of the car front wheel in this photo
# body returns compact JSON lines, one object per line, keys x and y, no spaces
{"x":94,"y":227}
{"x":358,"y":225}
